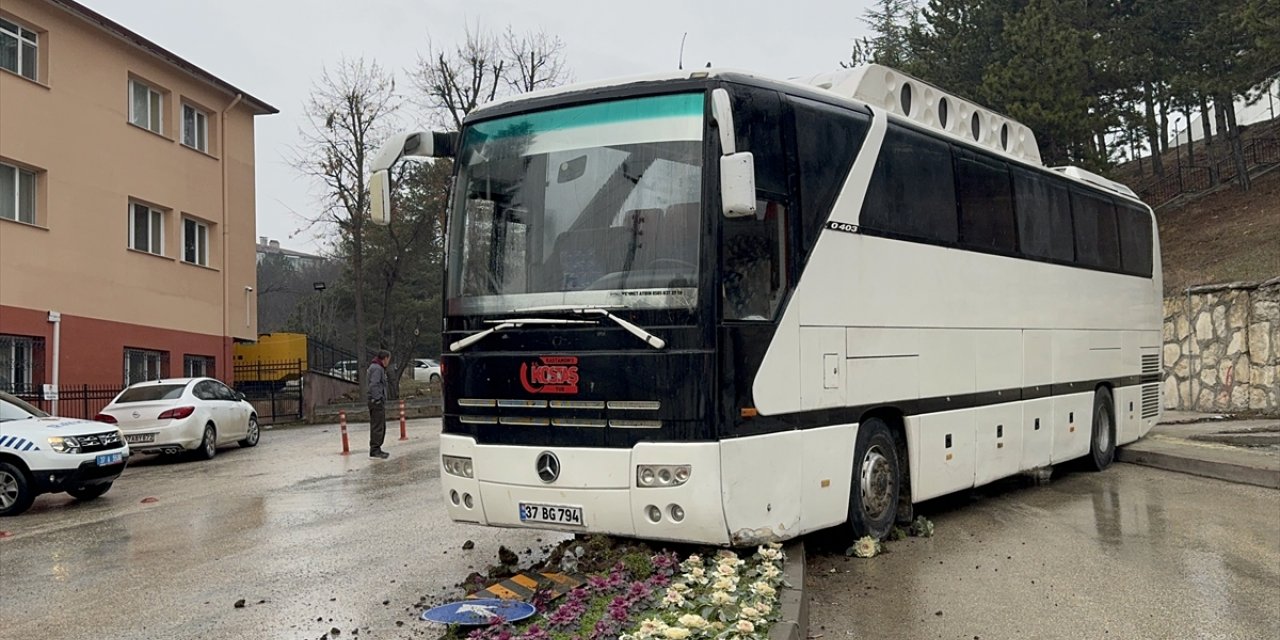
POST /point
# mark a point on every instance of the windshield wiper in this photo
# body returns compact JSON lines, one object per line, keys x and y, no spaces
{"x":508,"y":324}
{"x":649,"y":338}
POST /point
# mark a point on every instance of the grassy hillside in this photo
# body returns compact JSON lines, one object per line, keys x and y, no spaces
{"x":1223,"y":236}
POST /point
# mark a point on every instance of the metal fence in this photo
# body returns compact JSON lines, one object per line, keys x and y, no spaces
{"x":273,"y":388}
{"x":326,"y":358}
{"x":1259,"y":152}
{"x":82,"y":401}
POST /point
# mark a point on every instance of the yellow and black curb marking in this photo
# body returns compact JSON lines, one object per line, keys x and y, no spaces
{"x":523,"y":585}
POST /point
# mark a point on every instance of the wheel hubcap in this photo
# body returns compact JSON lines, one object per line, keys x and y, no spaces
{"x":8,"y":490}
{"x":209,"y":444}
{"x":253,"y":431}
{"x":877,"y":483}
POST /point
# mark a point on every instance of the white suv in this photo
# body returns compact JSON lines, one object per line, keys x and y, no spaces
{"x":42,"y":454}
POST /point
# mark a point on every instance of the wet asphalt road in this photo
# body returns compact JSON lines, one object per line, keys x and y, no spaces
{"x":323,"y":539}
{"x":1132,"y":552}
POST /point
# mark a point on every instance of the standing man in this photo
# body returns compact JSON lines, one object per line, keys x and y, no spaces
{"x":377,"y":404}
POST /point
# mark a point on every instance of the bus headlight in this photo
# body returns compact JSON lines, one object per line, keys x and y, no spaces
{"x":662,"y":475}
{"x":456,"y":466}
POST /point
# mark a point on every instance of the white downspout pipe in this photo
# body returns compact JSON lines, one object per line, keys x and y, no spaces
{"x":228,"y":365}
{"x":55,"y":318}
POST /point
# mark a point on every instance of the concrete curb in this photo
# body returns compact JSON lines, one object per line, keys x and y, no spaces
{"x":1191,"y":460}
{"x":793,"y":602}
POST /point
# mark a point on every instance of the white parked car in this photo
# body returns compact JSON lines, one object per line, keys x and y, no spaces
{"x":426,"y":370}
{"x":345,"y":369}
{"x":186,"y":414}
{"x":42,"y":454}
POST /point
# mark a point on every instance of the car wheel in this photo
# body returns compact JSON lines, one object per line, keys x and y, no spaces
{"x":1102,"y":442}
{"x":251,"y":438}
{"x":16,"y":495}
{"x":209,"y":444}
{"x":89,"y":492}
{"x":435,"y":378}
{"x":873,"y":497}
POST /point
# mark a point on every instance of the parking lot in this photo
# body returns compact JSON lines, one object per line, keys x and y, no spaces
{"x":311,"y":540}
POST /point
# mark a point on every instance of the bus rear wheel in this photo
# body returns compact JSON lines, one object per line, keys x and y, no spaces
{"x":873,"y":496}
{"x":1102,"y":441}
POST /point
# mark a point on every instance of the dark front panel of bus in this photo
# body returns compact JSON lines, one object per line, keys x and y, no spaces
{"x":679,"y":381}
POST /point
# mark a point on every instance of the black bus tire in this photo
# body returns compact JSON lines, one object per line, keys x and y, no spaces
{"x":1102,"y":432}
{"x":877,"y":481}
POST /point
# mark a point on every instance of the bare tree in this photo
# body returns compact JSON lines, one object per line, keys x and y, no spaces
{"x":483,"y":67}
{"x":453,"y":83}
{"x":536,"y":60}
{"x":351,"y":108}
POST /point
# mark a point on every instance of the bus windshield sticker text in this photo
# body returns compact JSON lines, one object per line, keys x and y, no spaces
{"x":551,"y":374}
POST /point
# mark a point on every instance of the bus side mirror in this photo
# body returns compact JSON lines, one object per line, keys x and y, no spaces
{"x":380,"y":197}
{"x":737,"y":169}
{"x":738,"y":185}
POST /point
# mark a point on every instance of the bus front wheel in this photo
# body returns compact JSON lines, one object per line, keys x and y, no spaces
{"x":873,"y":496}
{"x":1102,"y":441}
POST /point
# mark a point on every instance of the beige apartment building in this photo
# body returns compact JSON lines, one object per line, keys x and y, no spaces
{"x":127,"y":232}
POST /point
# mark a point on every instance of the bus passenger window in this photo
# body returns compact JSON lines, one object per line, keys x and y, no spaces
{"x":754,"y":263}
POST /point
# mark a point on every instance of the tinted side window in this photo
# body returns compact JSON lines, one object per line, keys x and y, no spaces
{"x":912,"y":192}
{"x":1095,"y":226}
{"x":204,"y":391}
{"x":986,"y":204}
{"x":758,"y":124}
{"x":1044,"y":217}
{"x":1135,"y":240}
{"x":827,"y":141}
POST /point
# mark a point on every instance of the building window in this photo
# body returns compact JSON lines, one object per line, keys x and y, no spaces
{"x":17,"y":194}
{"x":18,"y":49}
{"x":141,"y":365}
{"x":195,"y":128}
{"x":195,"y":242}
{"x":18,"y":362}
{"x":146,"y":229}
{"x":146,"y":107}
{"x":198,"y":367}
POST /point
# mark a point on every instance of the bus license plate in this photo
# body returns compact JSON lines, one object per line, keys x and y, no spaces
{"x":107,"y":459}
{"x":554,"y":514}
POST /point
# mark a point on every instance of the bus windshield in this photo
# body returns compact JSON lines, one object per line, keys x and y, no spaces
{"x":592,"y":205}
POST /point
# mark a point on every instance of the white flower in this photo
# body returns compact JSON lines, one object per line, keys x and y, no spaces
{"x":727,"y":570}
{"x":692,"y":621}
{"x":770,"y":572}
{"x":866,"y":547}
{"x":697,"y":572}
{"x":769,"y":553}
{"x":764,"y":608}
{"x":721,"y":598}
{"x":680,"y":587}
{"x":673,"y":599}
{"x":750,"y":612}
{"x":676,"y":633}
{"x":745,"y":626}
{"x":652,"y":626}
{"x":762,"y":589}
{"x":725,"y":584}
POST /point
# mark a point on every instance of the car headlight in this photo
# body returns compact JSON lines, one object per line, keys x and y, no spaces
{"x":64,"y":444}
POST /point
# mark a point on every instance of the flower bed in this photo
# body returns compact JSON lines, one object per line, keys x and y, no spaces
{"x":642,"y":597}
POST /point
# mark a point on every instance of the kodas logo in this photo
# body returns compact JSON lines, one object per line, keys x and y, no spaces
{"x":550,"y":374}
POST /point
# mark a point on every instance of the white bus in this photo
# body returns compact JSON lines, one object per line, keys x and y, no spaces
{"x":716,"y":308}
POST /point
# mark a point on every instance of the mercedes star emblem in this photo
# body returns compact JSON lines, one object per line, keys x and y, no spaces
{"x":548,"y":466}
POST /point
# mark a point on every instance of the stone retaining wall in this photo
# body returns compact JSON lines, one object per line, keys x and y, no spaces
{"x":1222,"y":348}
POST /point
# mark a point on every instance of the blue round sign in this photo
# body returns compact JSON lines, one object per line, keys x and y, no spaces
{"x":479,"y":612}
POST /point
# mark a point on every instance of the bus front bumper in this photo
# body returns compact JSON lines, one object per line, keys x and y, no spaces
{"x":602,"y":483}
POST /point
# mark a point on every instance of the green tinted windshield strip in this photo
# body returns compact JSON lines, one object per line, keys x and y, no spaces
{"x":680,"y":105}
